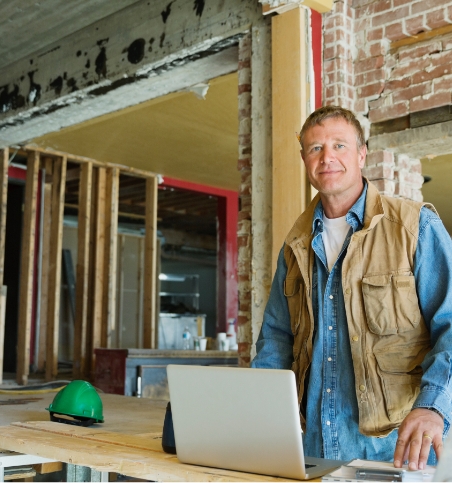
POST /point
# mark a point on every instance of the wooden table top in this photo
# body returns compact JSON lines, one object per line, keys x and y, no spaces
{"x":128,"y":442}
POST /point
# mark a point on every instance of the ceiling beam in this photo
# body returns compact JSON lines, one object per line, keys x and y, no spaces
{"x":145,"y":51}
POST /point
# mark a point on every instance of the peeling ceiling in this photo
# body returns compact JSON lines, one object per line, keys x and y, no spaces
{"x":28,"y":25}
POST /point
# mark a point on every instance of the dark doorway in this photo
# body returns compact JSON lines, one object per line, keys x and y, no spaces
{"x":16,"y":192}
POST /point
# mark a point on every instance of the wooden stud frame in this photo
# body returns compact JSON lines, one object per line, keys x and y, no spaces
{"x":96,"y":259}
{"x":54,"y":288}
{"x":82,"y":271}
{"x":27,"y":269}
{"x":111,"y":243}
{"x":149,"y":305}
{"x":98,"y":263}
{"x":4,"y":158}
{"x":46,"y":211}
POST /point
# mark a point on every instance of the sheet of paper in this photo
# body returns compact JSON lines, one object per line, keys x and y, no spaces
{"x":348,"y":472}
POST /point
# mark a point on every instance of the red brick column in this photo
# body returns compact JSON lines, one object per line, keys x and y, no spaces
{"x":244,"y":337}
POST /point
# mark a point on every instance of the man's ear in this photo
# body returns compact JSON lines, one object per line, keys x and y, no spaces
{"x":301,"y":152}
{"x":362,"y":153}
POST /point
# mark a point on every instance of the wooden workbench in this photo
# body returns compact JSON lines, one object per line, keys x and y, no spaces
{"x":129,"y":442}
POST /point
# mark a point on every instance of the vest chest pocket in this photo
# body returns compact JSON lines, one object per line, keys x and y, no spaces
{"x":391,"y":303}
{"x":294,"y":299}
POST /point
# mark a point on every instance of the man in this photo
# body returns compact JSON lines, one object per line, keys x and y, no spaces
{"x":361,"y":309}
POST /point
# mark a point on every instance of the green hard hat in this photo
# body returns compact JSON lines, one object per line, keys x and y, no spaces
{"x":79,"y":400}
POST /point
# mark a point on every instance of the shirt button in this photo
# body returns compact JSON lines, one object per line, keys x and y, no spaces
{"x":331,"y":297}
{"x":330,"y":327}
{"x":328,"y":390}
{"x":362,"y":387}
{"x":329,"y":359}
{"x":328,"y":423}
{"x":355,"y":338}
{"x":348,"y":291}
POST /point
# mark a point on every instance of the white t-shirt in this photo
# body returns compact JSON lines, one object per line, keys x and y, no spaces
{"x":334,"y":232}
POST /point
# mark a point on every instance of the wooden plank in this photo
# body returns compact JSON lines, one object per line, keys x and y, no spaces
{"x":158,"y":269}
{"x":46,"y":213}
{"x":148,"y":441}
{"x":111,"y":243}
{"x":104,"y":456}
{"x":44,"y":468}
{"x":140,"y":295}
{"x":82,"y":270}
{"x":27,"y":268}
{"x":3,"y":293}
{"x":56,"y":243}
{"x":414,"y":39}
{"x":290,"y":95}
{"x":321,"y":6}
{"x":98,"y":260}
{"x":139,"y":173}
{"x":125,"y":415}
{"x":4,"y":158}
{"x":150,"y":241}
{"x":120,"y":294}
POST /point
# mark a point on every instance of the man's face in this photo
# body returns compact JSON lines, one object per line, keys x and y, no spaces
{"x":332,"y":158}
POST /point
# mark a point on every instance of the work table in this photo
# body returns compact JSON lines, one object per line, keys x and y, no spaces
{"x":128,"y":442}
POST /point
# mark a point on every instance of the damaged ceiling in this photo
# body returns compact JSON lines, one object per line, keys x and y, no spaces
{"x":176,"y":134}
{"x":42,"y":23}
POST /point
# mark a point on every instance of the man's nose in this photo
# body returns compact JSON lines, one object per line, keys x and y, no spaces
{"x":327,"y":154}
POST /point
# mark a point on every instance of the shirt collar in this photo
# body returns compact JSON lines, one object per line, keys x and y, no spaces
{"x":354,"y":217}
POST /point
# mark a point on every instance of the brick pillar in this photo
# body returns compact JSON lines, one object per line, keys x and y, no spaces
{"x":395,"y":175}
{"x":244,"y":220}
{"x":338,"y":55}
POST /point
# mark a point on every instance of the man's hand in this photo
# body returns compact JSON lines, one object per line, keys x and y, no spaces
{"x":420,"y":430}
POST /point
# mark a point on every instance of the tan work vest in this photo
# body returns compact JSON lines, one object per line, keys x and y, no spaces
{"x":388,"y":336}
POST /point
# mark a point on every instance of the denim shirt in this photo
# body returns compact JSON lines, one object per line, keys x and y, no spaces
{"x":332,"y":410}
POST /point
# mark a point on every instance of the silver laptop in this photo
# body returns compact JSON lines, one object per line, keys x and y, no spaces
{"x":240,"y":419}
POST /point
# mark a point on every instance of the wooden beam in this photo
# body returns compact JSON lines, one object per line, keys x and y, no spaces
{"x":149,"y":309}
{"x":111,"y":243}
{"x":120,"y":299}
{"x":158,"y":269}
{"x":3,"y":292}
{"x":414,"y":39}
{"x":56,"y":244}
{"x":140,"y":292}
{"x":290,"y":94}
{"x":4,"y":159}
{"x":98,"y":260}
{"x":82,"y":270}
{"x":46,"y":211}
{"x":26,"y":269}
{"x":139,"y":173}
{"x":321,"y":6}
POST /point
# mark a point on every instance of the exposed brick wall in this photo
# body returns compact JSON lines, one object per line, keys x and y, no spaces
{"x":244,"y":220}
{"x":393,"y":80}
{"x":372,"y":66}
{"x":395,"y":174}
{"x":338,"y":69}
